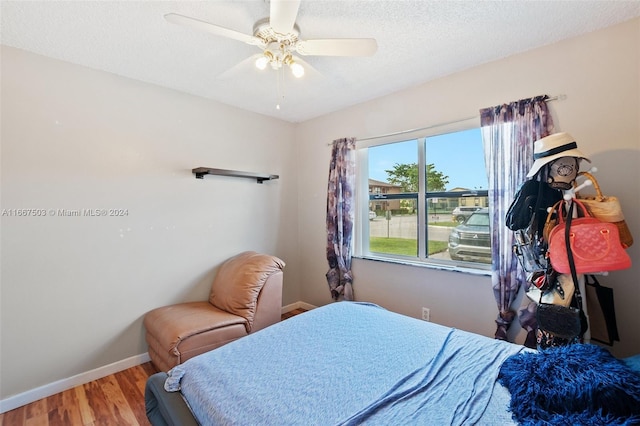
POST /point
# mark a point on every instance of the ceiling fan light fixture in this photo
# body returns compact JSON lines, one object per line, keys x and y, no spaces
{"x":263,"y":61}
{"x":296,"y":69}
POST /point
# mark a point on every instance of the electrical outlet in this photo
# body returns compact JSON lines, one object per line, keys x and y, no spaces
{"x":425,"y":314}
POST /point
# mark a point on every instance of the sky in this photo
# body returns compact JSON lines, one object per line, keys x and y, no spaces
{"x":458,"y":155}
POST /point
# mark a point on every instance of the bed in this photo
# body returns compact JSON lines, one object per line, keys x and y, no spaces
{"x":346,"y":363}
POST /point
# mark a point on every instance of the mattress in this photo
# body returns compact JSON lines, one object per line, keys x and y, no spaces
{"x":348,"y":363}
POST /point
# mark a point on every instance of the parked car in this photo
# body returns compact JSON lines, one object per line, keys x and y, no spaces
{"x":471,"y":241}
{"x":372,"y":215}
{"x":460,"y":214}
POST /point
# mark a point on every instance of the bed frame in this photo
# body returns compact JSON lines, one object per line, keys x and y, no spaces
{"x":166,"y":408}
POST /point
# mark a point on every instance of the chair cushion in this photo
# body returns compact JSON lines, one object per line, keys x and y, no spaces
{"x":172,"y":324}
{"x":179,"y":332}
{"x":239,"y":280}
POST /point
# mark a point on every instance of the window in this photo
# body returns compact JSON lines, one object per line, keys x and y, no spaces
{"x":429,"y":196}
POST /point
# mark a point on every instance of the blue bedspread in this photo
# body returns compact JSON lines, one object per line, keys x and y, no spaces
{"x":346,"y":364}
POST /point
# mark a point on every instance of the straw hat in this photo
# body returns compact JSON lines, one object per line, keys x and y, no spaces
{"x":554,"y":146}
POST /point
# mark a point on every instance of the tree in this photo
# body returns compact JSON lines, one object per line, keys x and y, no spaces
{"x":406,"y":176}
{"x":436,"y":181}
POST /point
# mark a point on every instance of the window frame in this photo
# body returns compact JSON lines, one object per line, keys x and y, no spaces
{"x":362,"y":231}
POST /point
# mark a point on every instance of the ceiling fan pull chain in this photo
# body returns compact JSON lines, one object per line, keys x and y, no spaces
{"x":279,"y":87}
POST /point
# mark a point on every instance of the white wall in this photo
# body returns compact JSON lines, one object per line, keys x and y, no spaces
{"x":598,"y":73}
{"x":75,"y":289}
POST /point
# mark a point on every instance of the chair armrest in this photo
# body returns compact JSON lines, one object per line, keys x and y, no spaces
{"x":269,"y":304}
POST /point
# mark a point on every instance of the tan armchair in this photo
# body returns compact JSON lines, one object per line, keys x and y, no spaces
{"x":246,"y":296}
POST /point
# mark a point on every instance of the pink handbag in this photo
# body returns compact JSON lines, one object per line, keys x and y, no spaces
{"x":595,"y":245}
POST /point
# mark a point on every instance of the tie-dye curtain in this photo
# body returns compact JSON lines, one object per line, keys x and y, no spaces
{"x":340,"y":215}
{"x":509,"y":132}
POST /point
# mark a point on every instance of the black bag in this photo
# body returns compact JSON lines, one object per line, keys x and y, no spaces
{"x":529,"y":253}
{"x":557,"y":325}
{"x":532,"y":198}
{"x":602,"y":312}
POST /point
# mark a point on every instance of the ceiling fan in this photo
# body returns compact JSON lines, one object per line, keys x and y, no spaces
{"x":278,"y":37}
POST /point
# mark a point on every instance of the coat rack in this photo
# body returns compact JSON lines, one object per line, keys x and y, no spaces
{"x":259,"y":177}
{"x":571,"y":193}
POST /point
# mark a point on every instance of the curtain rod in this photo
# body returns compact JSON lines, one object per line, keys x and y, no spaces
{"x":460,"y":120}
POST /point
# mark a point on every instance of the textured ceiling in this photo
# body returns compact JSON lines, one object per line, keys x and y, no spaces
{"x":417,"y":41}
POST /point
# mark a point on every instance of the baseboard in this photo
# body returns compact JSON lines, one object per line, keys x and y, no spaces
{"x":33,"y":395}
{"x":297,"y":305}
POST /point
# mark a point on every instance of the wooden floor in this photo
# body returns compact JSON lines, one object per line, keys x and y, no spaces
{"x":115,"y":400}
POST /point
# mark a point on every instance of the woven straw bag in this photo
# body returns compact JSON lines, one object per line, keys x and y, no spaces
{"x":606,"y":209}
{"x":551,"y":221}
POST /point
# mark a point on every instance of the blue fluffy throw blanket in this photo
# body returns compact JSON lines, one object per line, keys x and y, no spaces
{"x":577,"y":384}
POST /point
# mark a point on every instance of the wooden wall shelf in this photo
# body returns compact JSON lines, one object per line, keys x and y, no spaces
{"x":259,"y":177}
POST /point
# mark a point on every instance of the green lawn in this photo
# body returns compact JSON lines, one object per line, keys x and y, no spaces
{"x":449,"y":224}
{"x":403,"y":246}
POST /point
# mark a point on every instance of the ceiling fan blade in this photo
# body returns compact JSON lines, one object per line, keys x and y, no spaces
{"x":338,"y":47}
{"x":197,"y":24}
{"x":282,"y":15}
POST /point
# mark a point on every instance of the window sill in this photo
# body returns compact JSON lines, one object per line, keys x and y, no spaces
{"x":431,"y":264}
